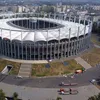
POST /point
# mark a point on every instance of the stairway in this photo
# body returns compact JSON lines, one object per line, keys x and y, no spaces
{"x":25,"y":70}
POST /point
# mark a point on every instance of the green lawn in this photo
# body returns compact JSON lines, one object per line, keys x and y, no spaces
{"x":57,"y":68}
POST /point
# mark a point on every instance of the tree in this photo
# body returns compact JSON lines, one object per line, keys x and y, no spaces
{"x":95,"y":97}
{"x":15,"y":96}
{"x":2,"y":95}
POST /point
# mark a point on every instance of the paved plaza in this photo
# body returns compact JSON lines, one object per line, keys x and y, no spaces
{"x":27,"y":93}
{"x":82,"y":62}
{"x":46,"y":88}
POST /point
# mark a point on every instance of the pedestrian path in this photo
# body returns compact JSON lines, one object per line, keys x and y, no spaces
{"x":25,"y":70}
{"x":97,"y":46}
{"x":25,"y":61}
{"x":82,"y":62}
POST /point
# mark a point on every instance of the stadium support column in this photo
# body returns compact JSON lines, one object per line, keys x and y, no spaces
{"x":54,"y":46}
{"x":64,"y":17}
{"x":18,"y":50}
{"x":54,"y":16}
{"x":49,"y":21}
{"x":37,"y":21}
{"x":38,"y":47}
{"x":62,"y":43}
{"x":59,"y":45}
{"x":5,"y":51}
{"x":44,"y":24}
{"x":22,"y":23}
{"x":43,"y":51}
{"x":71,"y":46}
{"x":50,"y":50}
{"x":15,"y":50}
{"x":85,"y":44}
{"x":75,"y":19}
{"x":8,"y":48}
{"x":84,"y":38}
{"x":90,"y":24}
{"x":30,"y":50}
{"x":34,"y":45}
{"x":27,"y":23}
{"x":1,"y":44}
{"x":11,"y":44}
{"x":84,"y":21}
{"x":26,"y":51}
{"x":78,"y":44}
{"x":69,"y":43}
{"x":47,"y":47}
{"x":65,"y":49}
{"x":22,"y":43}
{"x":89,"y":33}
{"x":79,"y":20}
{"x":69,"y":18}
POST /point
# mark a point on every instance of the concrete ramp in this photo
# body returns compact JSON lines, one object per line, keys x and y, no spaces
{"x":82,"y":62}
{"x":25,"y":70}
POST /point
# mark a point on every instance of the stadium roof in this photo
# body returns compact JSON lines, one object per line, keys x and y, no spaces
{"x":14,"y":33}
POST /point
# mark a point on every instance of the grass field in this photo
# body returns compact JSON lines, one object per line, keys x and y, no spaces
{"x":92,"y":57}
{"x":15,"y":65}
{"x":57,"y":68}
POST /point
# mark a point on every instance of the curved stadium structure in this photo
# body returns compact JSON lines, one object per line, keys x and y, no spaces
{"x":35,"y":36}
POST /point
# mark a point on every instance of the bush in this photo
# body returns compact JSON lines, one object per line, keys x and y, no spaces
{"x":15,"y":96}
{"x":59,"y":98}
{"x":2,"y":95}
{"x":95,"y":97}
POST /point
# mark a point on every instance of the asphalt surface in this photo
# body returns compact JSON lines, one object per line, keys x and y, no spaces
{"x":53,"y":82}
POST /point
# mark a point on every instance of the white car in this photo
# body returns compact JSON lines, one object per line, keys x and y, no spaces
{"x":20,"y":77}
{"x":93,"y":81}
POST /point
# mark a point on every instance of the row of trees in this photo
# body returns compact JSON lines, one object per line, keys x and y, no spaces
{"x":3,"y":97}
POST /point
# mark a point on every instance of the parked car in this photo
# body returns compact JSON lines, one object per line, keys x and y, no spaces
{"x":95,"y":81}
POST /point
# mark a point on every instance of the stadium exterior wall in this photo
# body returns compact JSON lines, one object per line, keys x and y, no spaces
{"x":46,"y":50}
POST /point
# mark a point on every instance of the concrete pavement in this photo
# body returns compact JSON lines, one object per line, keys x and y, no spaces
{"x":25,"y":61}
{"x":25,"y":70}
{"x":27,"y":93}
{"x":97,"y":46}
{"x":82,"y":62}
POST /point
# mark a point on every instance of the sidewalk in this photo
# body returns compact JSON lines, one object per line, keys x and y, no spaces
{"x":25,"y":70}
{"x":82,"y":62}
{"x":26,"y":61}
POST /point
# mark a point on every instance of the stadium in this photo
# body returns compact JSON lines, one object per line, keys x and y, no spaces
{"x":33,"y":36}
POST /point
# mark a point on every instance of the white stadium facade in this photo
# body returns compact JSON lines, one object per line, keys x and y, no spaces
{"x":32,"y":36}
